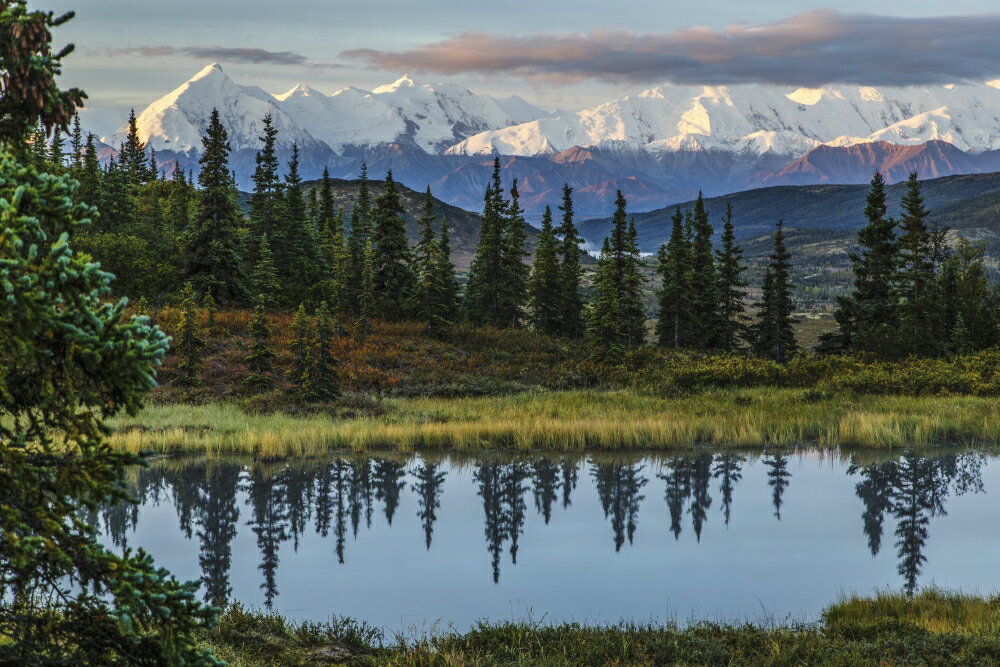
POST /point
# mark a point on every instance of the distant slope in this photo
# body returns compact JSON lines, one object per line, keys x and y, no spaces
{"x":463,"y":226}
{"x":962,"y":202}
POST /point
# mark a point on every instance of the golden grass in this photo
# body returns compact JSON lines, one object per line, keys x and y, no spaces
{"x":571,"y":421}
{"x":932,"y":610}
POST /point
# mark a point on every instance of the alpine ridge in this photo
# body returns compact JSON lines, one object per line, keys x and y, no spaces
{"x":661,"y":146}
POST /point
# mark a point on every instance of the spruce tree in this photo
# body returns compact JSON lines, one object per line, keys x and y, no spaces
{"x":133,"y":155}
{"x":915,"y":279}
{"x":545,"y":288}
{"x":260,"y":361}
{"x":57,"y":155}
{"x":617,"y":319}
{"x":395,"y":281}
{"x":323,"y":382}
{"x":732,"y":325}
{"x":189,"y":342}
{"x":425,"y":259}
{"x":178,"y":212}
{"x":302,"y":333}
{"x":361,"y":230}
{"x":484,"y":289}
{"x":339,"y":291}
{"x":868,"y":317}
{"x":772,"y":335}
{"x":674,"y":325}
{"x":266,"y":215}
{"x":366,"y":294}
{"x":324,"y":202}
{"x":303,"y":266}
{"x":264,"y":280}
{"x":570,"y":269}
{"x":515,"y":273}
{"x":214,"y":263}
{"x":704,"y":281}
{"x":76,"y":142}
{"x":117,"y":204}
{"x":445,"y":283}
{"x":90,"y":175}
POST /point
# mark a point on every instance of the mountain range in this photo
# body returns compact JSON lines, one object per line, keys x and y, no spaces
{"x":661,"y":146}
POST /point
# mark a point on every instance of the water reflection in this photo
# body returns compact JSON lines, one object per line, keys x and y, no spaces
{"x":338,"y":498}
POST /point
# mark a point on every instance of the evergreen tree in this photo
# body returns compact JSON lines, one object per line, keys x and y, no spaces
{"x":339,"y":271}
{"x":76,"y":142}
{"x":732,"y":312}
{"x":302,"y":327}
{"x":483,"y":291}
{"x":214,"y":263}
{"x":570,"y":269}
{"x":90,"y":175}
{"x":617,"y":318}
{"x":545,"y":289}
{"x":260,"y":361}
{"x":674,"y":326}
{"x":868,"y":317}
{"x":425,"y":257}
{"x":972,"y":303}
{"x":366,"y":295}
{"x":395,"y":281}
{"x":154,"y":167}
{"x":266,"y":198}
{"x":515,"y":273}
{"x":57,"y":156}
{"x":704,"y":281}
{"x":133,"y":155}
{"x":324,"y":203}
{"x":264,"y":280}
{"x":915,"y":279}
{"x":303,"y":266}
{"x":189,"y":342}
{"x":361,"y":231}
{"x":323,"y":382}
{"x":117,"y":203}
{"x":178,"y":213}
{"x":772,"y":335}
{"x":445,"y":283}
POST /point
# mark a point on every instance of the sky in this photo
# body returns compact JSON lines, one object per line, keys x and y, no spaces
{"x":556,"y":53}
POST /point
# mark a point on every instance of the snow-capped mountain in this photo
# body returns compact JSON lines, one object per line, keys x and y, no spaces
{"x":661,"y":146}
{"x":761,"y":119}
{"x":431,"y":116}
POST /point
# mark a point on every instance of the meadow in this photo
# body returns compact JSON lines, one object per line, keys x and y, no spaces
{"x":932,"y":628}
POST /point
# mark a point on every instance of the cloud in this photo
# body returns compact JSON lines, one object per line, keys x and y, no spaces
{"x":810,"y":49}
{"x":249,"y":55}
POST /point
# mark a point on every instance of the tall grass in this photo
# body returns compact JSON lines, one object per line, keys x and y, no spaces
{"x":571,"y":421}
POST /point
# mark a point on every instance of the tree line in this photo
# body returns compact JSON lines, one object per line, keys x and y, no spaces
{"x":295,"y":250}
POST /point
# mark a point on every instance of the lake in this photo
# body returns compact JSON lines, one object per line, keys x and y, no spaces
{"x":413,"y":543}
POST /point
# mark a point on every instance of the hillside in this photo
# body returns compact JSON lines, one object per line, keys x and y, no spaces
{"x":463,"y":225}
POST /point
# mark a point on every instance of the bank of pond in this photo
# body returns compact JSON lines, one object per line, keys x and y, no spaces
{"x":566,"y":421}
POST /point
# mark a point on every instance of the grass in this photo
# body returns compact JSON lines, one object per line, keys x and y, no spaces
{"x":933,"y":627}
{"x":570,"y":421}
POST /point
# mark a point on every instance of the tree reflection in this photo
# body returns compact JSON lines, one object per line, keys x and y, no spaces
{"x":618,"y":486}
{"x":778,"y":479}
{"x":729,"y":471}
{"x":430,"y":479}
{"x":502,"y":488}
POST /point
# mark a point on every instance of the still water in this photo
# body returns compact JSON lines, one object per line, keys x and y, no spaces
{"x":414,"y":543}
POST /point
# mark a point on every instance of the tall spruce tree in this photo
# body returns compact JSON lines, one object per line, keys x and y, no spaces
{"x":303,"y":267}
{"x":570,"y":269}
{"x":732,"y":326}
{"x":133,"y":155}
{"x":266,"y":198}
{"x":425,"y":257}
{"x":675,"y":323}
{"x":617,"y":318}
{"x":366,"y":294}
{"x":545,"y":289}
{"x":323,"y":382}
{"x":868,"y":316}
{"x":704,"y":280}
{"x":772,"y":334}
{"x":339,"y":259}
{"x":214,"y":264}
{"x":483,"y":290}
{"x":302,"y":334}
{"x":515,"y":273}
{"x":918,"y":331}
{"x":90,"y":175}
{"x":178,"y":213}
{"x":264,"y":279}
{"x":260,"y":361}
{"x":361,"y":231}
{"x":445,"y":283}
{"x":189,"y":342}
{"x":395,"y":280}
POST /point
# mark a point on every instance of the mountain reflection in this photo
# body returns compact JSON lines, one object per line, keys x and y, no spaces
{"x":339,"y":498}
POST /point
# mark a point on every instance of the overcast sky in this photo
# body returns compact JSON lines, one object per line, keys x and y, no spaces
{"x":566,"y":53}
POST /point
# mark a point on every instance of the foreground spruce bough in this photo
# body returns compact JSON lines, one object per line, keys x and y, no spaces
{"x":933,"y":627}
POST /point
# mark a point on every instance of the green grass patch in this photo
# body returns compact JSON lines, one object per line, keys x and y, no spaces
{"x":571,"y":421}
{"x":933,"y":627}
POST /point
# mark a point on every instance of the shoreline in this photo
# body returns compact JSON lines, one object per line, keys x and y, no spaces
{"x":571,"y":421}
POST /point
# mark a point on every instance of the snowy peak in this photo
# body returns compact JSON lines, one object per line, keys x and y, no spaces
{"x":402,"y":82}
{"x":748,"y":119}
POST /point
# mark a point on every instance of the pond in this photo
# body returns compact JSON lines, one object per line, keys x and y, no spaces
{"x":414,"y":543}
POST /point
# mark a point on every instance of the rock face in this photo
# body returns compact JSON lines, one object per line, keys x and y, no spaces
{"x":661,"y":146}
